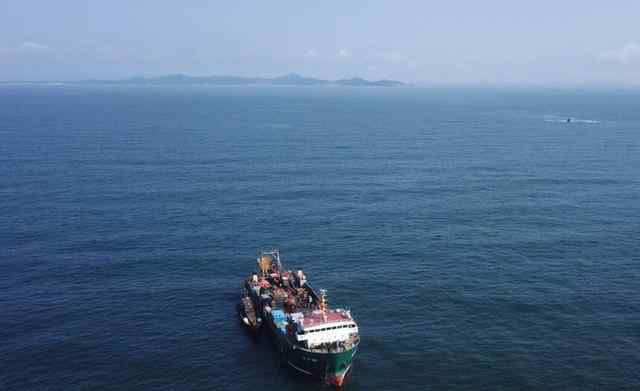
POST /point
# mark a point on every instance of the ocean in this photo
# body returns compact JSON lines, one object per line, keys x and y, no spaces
{"x":481,"y":241}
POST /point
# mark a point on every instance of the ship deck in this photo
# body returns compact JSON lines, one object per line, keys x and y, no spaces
{"x":315,"y":318}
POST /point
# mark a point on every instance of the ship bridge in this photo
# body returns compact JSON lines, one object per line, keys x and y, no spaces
{"x":335,"y":326}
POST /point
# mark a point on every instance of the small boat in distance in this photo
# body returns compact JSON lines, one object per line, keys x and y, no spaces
{"x":249,"y":317}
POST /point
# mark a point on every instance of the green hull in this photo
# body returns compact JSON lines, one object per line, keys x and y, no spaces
{"x":330,"y":367}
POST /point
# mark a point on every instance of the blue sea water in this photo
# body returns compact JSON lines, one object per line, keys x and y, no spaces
{"x":481,"y":241}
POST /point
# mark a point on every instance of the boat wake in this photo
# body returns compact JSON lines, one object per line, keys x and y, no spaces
{"x":569,"y":120}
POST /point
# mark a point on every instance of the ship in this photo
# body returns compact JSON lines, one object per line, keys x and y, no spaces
{"x":312,"y":338}
{"x":248,"y":314}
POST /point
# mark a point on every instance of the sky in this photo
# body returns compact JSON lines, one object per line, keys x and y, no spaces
{"x":433,"y":42}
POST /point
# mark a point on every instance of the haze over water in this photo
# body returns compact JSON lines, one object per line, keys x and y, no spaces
{"x":480,"y":241}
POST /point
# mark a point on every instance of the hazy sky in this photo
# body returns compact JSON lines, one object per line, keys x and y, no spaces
{"x":523,"y":42}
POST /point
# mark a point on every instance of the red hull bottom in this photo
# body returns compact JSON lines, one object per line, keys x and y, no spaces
{"x":337,"y":379}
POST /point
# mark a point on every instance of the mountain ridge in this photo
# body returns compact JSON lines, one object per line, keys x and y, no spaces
{"x":288,"y":79}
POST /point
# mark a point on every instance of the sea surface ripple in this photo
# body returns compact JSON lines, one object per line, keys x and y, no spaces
{"x":479,"y":245}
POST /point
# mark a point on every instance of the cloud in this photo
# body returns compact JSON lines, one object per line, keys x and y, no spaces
{"x":628,"y":54}
{"x":344,"y":53}
{"x":32,"y":47}
{"x":311,"y":54}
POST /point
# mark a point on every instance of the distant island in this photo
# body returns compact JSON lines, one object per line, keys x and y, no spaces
{"x":292,"y":79}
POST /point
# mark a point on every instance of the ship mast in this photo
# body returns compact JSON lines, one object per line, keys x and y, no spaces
{"x":276,"y":252}
{"x":323,"y":303}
